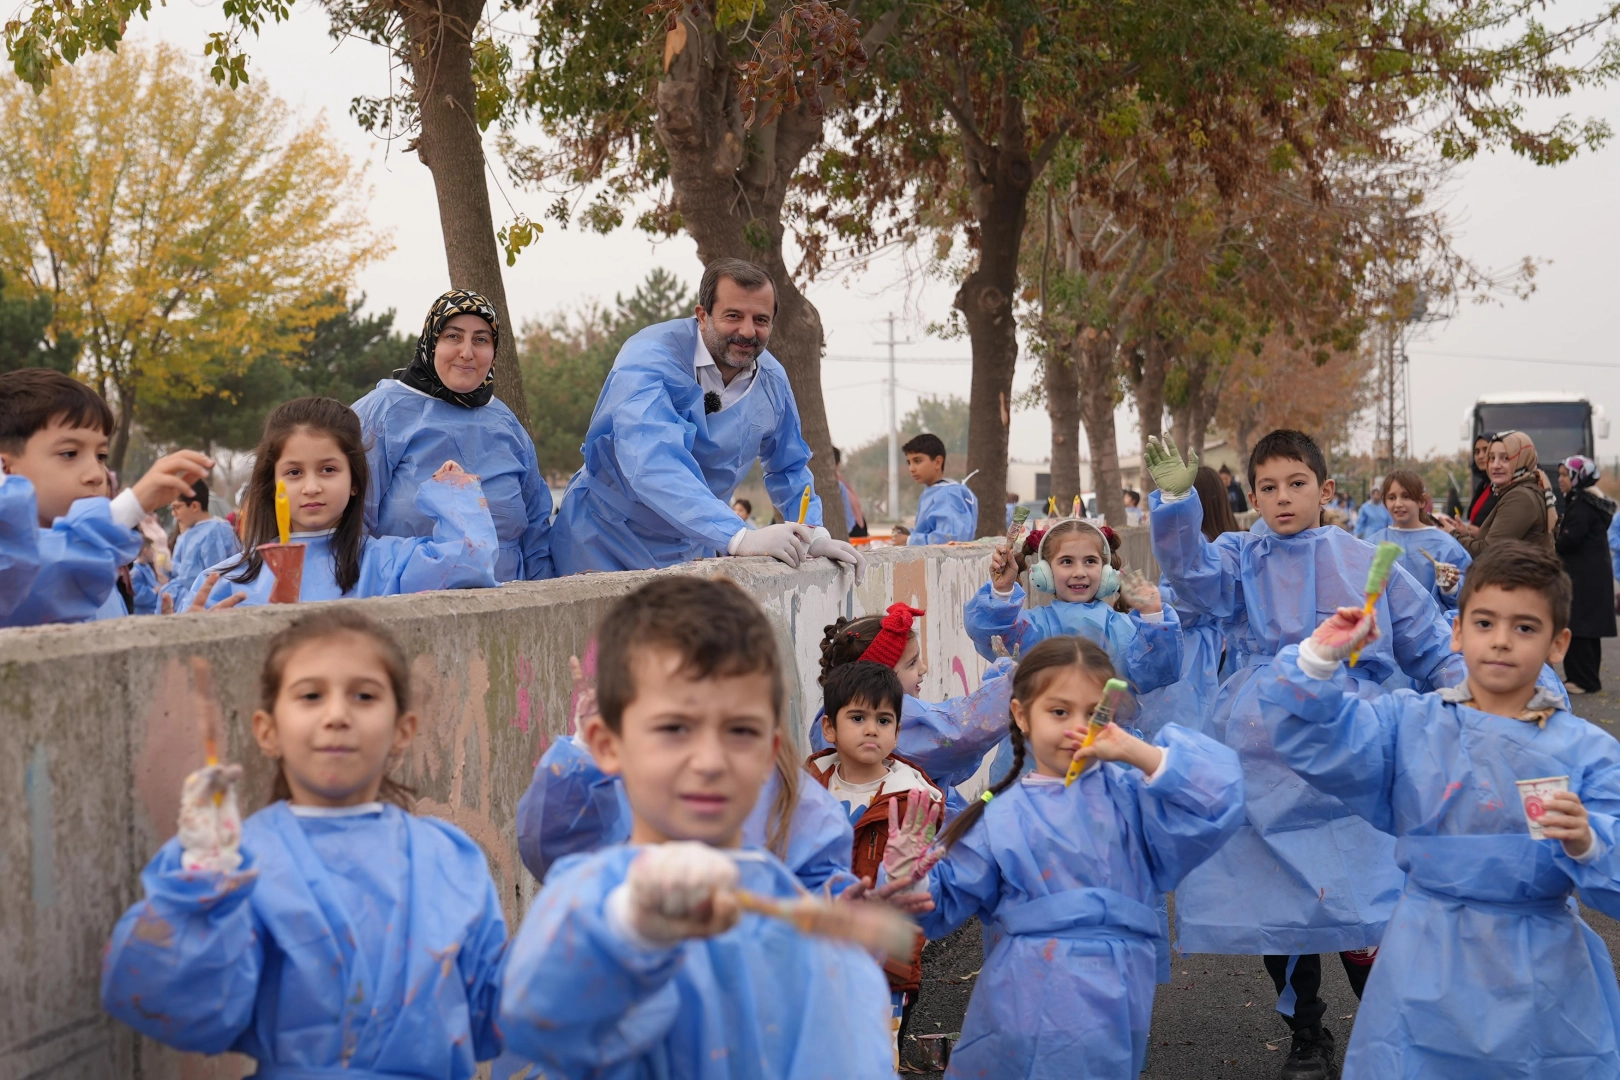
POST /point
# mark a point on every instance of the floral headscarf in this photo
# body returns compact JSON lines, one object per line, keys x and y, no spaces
{"x":1521,"y":455}
{"x":422,"y":375}
{"x":1583,"y":472}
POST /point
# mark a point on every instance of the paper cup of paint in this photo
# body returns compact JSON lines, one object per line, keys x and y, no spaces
{"x":933,"y":1052}
{"x":286,"y":561}
{"x":1533,"y":793}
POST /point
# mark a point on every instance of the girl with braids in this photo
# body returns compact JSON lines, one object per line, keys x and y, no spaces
{"x":1077,"y":567}
{"x":1065,"y":877}
{"x":948,"y":741}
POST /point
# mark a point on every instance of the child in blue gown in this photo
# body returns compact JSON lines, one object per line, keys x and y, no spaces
{"x":1430,"y":554}
{"x":315,"y":447}
{"x":635,"y":960}
{"x":1066,"y":877}
{"x":1486,"y":970}
{"x":54,"y":433}
{"x":1075,"y":565}
{"x":333,"y":933}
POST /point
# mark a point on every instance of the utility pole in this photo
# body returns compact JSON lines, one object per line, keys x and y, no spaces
{"x":894,"y":426}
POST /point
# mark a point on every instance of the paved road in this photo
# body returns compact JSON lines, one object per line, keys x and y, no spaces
{"x":1217,"y":1017}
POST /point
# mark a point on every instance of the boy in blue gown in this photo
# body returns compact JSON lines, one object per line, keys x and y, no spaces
{"x":635,"y":961}
{"x":54,"y":433}
{"x":1303,"y":875}
{"x":1486,"y":970}
{"x":946,"y":510}
{"x":207,"y":541}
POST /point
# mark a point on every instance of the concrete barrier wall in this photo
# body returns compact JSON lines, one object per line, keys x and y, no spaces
{"x":99,"y":725}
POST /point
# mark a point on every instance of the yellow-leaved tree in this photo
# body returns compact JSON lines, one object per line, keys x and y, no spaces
{"x":180,"y":228}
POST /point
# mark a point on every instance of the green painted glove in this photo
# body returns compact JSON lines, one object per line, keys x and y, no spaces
{"x":1174,"y":476}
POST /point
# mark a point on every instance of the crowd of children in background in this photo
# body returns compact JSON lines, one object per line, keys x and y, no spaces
{"x":1316,"y":747}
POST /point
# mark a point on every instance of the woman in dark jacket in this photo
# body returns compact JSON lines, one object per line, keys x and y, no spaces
{"x":1520,"y":512}
{"x":1483,"y":500}
{"x":1583,"y":542}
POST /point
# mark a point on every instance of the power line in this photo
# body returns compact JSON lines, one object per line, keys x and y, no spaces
{"x":1519,"y":359}
{"x":885,"y":359}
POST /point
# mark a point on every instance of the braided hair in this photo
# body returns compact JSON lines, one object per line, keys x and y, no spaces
{"x":1034,"y":674}
{"x":844,"y":641}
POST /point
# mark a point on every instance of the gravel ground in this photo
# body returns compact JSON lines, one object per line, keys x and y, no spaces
{"x":1217,"y":1017}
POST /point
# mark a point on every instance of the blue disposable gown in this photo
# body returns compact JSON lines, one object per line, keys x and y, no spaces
{"x":948,"y":740}
{"x":1147,"y":654}
{"x":759,"y":1001}
{"x":79,"y":558}
{"x":1486,"y":970}
{"x":573,"y":807}
{"x":1438,"y":543}
{"x":946,"y":511}
{"x":144,"y":580}
{"x":371,"y":944}
{"x":1187,"y":701}
{"x":1066,"y":880}
{"x":1303,"y":874}
{"x":1371,"y":518}
{"x":19,"y":543}
{"x":207,"y":543}
{"x":411,"y":435}
{"x":460,"y":555}
{"x":659,"y":471}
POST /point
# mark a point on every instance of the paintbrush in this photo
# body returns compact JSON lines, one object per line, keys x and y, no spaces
{"x":1114,"y":695}
{"x":283,"y":512}
{"x":1020,"y":515}
{"x":1383,"y":565}
{"x":202,"y":677}
{"x":873,"y":927}
{"x":804,"y":505}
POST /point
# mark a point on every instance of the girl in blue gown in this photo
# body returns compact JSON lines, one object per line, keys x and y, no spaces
{"x":315,"y":447}
{"x":1066,"y":877}
{"x":333,"y":930}
{"x":1430,"y":554}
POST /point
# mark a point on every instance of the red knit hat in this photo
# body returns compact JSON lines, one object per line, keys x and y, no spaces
{"x":891,"y":639}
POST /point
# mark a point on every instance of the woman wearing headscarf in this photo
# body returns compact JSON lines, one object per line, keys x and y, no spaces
{"x":443,"y":408}
{"x":1483,"y":499}
{"x":1520,"y":512}
{"x":1583,"y":544}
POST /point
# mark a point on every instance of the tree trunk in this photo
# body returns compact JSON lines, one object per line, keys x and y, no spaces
{"x":1094,"y":357}
{"x":730,"y":186}
{"x":1062,"y":385}
{"x":1147,"y":386}
{"x":124,"y":420}
{"x":1001,"y":198}
{"x":451,"y":146}
{"x":1204,"y":403}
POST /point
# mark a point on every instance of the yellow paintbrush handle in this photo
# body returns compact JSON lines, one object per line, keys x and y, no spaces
{"x":804,"y":505}
{"x":1078,"y":766}
{"x":1366,"y":610}
{"x":283,"y":512}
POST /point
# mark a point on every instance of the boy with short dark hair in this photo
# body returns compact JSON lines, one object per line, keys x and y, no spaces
{"x":1487,"y":969}
{"x":1303,"y":875}
{"x":53,"y":435}
{"x":861,"y":770}
{"x":636,"y":959}
{"x":204,"y":541}
{"x":946,"y":510}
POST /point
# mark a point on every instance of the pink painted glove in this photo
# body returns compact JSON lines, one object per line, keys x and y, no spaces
{"x":911,"y":835}
{"x":210,"y":829}
{"x":1342,"y":633}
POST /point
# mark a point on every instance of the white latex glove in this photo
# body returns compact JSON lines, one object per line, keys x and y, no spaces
{"x":681,"y":889}
{"x":210,"y":832}
{"x":788,"y":542}
{"x":1342,"y":633}
{"x":1446,"y":575}
{"x":823,"y":546}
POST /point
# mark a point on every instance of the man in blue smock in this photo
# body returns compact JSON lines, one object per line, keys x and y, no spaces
{"x":689,"y":406}
{"x":1373,"y":517}
{"x":946,"y":510}
{"x":203,"y":541}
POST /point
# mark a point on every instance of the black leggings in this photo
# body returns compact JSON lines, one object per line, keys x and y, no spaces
{"x":1583,"y":663}
{"x":1299,"y":984}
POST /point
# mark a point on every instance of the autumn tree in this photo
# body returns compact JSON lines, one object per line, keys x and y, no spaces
{"x":451,"y":85}
{"x":178,"y":228}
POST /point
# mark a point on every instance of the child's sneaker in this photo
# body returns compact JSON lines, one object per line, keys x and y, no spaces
{"x":1311,"y":1057}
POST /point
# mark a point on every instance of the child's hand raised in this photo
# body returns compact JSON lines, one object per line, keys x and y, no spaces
{"x":1173,"y":475}
{"x":210,"y":824}
{"x":1141,"y":594}
{"x":1003,"y":570}
{"x":681,"y":889}
{"x":1114,"y":743}
{"x":1565,"y":820}
{"x":1344,"y":632}
{"x":911,"y":834}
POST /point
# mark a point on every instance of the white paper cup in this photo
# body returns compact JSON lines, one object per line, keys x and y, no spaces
{"x":1533,"y":794}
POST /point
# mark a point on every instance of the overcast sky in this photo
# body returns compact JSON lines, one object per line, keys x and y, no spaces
{"x":1503,"y":210}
